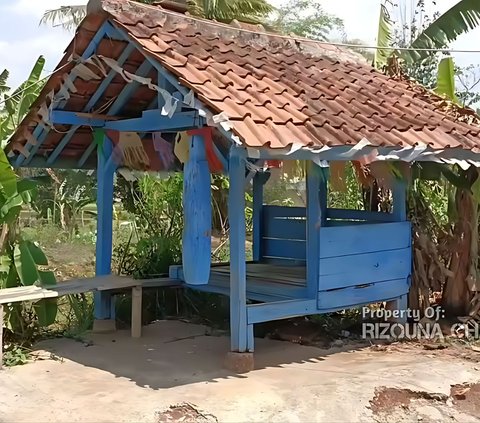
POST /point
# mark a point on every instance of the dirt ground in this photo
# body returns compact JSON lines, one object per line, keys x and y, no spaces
{"x":174,"y":373}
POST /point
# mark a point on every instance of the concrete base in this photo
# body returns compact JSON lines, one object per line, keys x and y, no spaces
{"x":104,"y":326}
{"x":239,"y":362}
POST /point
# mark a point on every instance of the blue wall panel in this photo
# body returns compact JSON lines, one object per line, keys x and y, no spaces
{"x":355,"y":296}
{"x":359,"y":239}
{"x":338,"y":272}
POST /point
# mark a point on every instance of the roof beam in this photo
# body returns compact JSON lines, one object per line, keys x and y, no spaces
{"x":91,"y":103}
{"x":40,"y":132}
{"x":122,"y":98}
{"x":151,"y":121}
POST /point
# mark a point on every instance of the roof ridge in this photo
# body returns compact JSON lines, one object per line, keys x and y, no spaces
{"x":235,"y":31}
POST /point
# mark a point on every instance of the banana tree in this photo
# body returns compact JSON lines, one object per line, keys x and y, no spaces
{"x":459,"y":19}
{"x":21,"y":262}
{"x":17,"y":104}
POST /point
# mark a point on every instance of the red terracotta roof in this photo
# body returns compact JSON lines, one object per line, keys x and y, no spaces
{"x":275,"y":90}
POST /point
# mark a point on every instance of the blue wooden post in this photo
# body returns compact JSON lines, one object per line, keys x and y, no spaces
{"x":103,"y":261}
{"x":240,"y":333}
{"x":399,"y":212}
{"x":314,"y":221}
{"x":197,"y":209}
{"x":399,"y":193}
{"x":258,"y":181}
{"x":323,"y":195}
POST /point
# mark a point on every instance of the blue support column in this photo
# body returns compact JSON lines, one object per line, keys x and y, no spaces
{"x":399,"y":193}
{"x":103,"y":261}
{"x":197,"y":209}
{"x":258,"y":181}
{"x":314,"y":222}
{"x":241,"y":335}
{"x":399,"y":213}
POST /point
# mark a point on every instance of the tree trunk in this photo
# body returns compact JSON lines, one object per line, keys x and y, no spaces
{"x":463,"y":264}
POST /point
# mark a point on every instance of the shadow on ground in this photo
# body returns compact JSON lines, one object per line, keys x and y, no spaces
{"x":173,"y":353}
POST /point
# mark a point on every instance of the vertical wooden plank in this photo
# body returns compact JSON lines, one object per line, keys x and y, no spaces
{"x":399,"y":213}
{"x":238,"y":279}
{"x":197,"y":209}
{"x":250,"y":338}
{"x":323,"y":196}
{"x":136,"y":312}
{"x":1,"y":335}
{"x":103,"y":247}
{"x":258,"y":182}
{"x":399,"y":193}
{"x":314,"y":219}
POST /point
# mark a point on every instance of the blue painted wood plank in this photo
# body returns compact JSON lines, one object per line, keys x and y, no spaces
{"x":399,"y":192}
{"x":285,"y":228}
{"x":152,"y":120}
{"x":103,"y":246}
{"x":346,"y":222}
{"x":339,"y":272}
{"x":91,"y":102}
{"x":257,"y":216}
{"x":358,"y":239}
{"x":314,"y":219}
{"x":284,"y":248}
{"x":353,"y":296}
{"x":40,"y":132}
{"x":266,"y":312}
{"x":275,"y":212}
{"x":323,"y":198}
{"x":197,"y":210}
{"x":238,"y":277}
{"x":62,"y":117}
{"x":359,"y":215}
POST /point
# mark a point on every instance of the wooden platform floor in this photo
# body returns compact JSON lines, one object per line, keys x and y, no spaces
{"x":265,"y":282}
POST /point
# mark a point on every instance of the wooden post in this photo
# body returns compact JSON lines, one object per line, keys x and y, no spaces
{"x":103,"y":254}
{"x":238,"y":278}
{"x":399,"y":212}
{"x":314,"y":221}
{"x":136,"y":312}
{"x":258,"y":181}
{"x":399,"y":194}
{"x":197,"y":209}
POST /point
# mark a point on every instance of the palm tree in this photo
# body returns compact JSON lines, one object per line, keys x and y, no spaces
{"x":68,"y":17}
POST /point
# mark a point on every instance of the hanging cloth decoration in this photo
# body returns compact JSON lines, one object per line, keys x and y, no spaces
{"x":164,"y":150}
{"x":131,"y":151}
{"x":181,"y":148}
{"x":273,"y":164}
{"x":214,"y":164}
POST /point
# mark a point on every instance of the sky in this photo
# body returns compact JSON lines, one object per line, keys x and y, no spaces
{"x":22,"y":39}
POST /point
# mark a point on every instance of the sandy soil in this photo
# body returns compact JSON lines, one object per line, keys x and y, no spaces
{"x":174,"y":373}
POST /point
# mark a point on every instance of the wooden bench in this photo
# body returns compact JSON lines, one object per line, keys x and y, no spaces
{"x":78,"y":286}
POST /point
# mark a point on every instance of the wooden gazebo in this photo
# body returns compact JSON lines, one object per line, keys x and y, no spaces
{"x":136,"y":75}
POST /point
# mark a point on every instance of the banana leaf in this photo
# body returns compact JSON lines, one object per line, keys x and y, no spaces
{"x":459,"y":19}
{"x":384,"y":38}
{"x":446,"y":79}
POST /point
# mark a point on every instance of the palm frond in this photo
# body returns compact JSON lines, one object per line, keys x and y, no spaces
{"x":459,"y":19}
{"x":67,"y":17}
{"x":228,"y":10}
